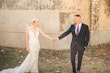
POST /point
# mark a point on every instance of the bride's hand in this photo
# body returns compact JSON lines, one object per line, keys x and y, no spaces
{"x":28,"y":49}
{"x":55,"y":39}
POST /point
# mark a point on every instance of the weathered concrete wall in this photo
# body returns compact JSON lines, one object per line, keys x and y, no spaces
{"x":100,"y":26}
{"x":14,"y":22}
{"x":104,"y":22}
{"x":55,"y":17}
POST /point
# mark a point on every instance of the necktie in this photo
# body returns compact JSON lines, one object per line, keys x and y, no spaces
{"x":77,"y":30}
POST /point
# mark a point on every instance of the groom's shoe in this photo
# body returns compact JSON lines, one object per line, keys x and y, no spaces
{"x":78,"y":71}
{"x":74,"y":72}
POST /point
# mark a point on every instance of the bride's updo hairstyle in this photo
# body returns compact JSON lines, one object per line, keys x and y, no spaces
{"x":33,"y":20}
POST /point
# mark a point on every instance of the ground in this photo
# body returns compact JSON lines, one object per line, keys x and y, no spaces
{"x":95,"y":60}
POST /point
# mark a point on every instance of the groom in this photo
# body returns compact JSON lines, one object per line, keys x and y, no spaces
{"x":80,"y":39}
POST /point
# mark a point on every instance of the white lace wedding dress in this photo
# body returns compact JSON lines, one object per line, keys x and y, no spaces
{"x":30,"y":64}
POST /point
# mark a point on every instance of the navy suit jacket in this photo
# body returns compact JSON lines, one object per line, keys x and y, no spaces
{"x":82,"y":38}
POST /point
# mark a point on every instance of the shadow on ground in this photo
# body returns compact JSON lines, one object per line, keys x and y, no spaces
{"x":95,"y":60}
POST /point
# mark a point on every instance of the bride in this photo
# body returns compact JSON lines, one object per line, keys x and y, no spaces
{"x":30,"y":64}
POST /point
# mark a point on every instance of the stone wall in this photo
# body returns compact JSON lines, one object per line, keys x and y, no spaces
{"x":100,"y":26}
{"x":55,"y":17}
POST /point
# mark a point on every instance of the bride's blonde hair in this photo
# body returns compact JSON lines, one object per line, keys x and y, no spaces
{"x":33,"y":20}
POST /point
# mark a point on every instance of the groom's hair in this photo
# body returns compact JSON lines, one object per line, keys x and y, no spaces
{"x":77,"y":15}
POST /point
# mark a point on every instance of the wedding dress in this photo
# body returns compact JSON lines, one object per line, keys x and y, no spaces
{"x":30,"y":64}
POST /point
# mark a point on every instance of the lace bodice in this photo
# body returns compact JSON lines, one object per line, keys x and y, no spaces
{"x":33,"y":34}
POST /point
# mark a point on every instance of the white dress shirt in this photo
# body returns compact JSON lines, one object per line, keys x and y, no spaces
{"x":76,"y":26}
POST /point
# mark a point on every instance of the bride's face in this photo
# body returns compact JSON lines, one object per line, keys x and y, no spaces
{"x":35,"y":23}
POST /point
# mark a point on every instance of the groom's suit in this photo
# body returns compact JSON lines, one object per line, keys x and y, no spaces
{"x":78,"y":44}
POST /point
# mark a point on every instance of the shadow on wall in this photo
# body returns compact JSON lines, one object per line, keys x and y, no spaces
{"x":29,"y":4}
{"x":107,"y":9}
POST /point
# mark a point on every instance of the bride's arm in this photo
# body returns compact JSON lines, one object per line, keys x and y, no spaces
{"x":27,"y":39}
{"x":45,"y":35}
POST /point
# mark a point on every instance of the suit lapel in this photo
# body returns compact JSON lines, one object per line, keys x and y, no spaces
{"x":81,"y":29}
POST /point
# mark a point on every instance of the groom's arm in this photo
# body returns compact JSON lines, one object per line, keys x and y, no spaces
{"x":65,"y":33}
{"x":87,"y":38}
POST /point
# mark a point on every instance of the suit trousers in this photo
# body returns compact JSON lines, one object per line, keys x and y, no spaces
{"x":76,"y":48}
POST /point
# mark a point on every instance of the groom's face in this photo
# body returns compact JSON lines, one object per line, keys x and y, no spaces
{"x":77,"y":20}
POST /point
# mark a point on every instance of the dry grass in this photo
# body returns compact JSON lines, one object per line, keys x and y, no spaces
{"x":95,"y":60}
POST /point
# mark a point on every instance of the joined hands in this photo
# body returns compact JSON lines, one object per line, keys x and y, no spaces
{"x":55,"y":39}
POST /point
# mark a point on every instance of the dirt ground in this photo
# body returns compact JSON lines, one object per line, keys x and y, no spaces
{"x":95,"y":60}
